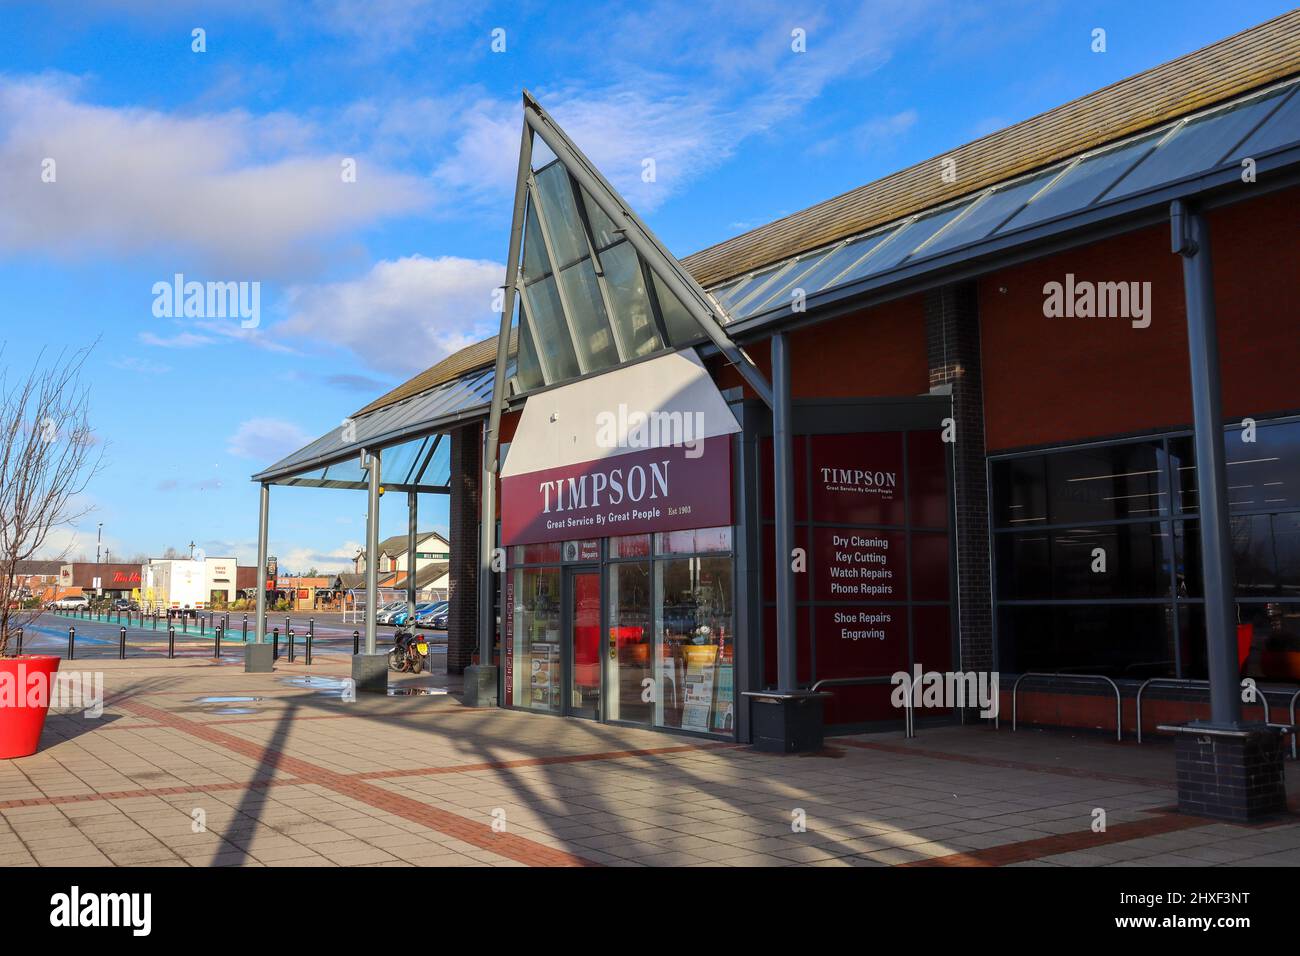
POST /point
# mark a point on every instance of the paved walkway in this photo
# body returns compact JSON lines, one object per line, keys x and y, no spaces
{"x":297,"y":776}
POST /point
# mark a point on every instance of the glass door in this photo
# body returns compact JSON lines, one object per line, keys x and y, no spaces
{"x":583,"y":613}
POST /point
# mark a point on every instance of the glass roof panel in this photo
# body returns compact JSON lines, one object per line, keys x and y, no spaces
{"x":1199,"y":145}
{"x":536,"y":262}
{"x":782,"y":289}
{"x":1280,"y":129}
{"x":563,"y":227}
{"x":681,"y":326}
{"x":602,"y":230}
{"x":552,"y":331}
{"x":840,"y":259}
{"x":591,"y":329}
{"x":989,"y":214}
{"x":632,"y":313}
{"x":529,"y":372}
{"x":1081,"y":185}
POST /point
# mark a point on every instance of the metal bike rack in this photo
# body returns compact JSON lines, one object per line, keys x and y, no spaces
{"x":1119,"y":702}
{"x":1190,"y":682}
{"x":1290,"y":712}
{"x":909,"y":720}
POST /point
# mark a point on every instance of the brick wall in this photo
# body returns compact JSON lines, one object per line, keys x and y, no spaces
{"x":464,"y":505}
{"x":952,"y":332}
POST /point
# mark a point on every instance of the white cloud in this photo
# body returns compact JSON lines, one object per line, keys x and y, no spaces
{"x":403,"y":315}
{"x":336,"y":559}
{"x":266,"y":439}
{"x":712,"y":91}
{"x":250,"y":195}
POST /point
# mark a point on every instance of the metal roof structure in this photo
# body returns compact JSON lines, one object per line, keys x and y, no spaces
{"x":1228,"y":68}
{"x":1182,"y":157}
{"x":416,"y":456}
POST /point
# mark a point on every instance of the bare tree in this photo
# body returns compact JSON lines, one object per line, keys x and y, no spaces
{"x":47,"y":456}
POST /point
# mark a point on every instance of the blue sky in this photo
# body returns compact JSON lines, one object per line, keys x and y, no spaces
{"x":224,"y":165}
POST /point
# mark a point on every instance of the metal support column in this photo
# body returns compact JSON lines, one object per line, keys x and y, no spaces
{"x":1191,"y":240}
{"x":486,"y":547}
{"x":783,"y":487}
{"x":412,"y":519}
{"x":264,"y":515}
{"x":372,"y":546}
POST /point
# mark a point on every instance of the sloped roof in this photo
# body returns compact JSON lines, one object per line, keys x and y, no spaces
{"x":1232,"y":66}
{"x":469,"y":358}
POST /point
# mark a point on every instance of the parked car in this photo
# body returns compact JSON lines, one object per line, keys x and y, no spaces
{"x":385,"y":613}
{"x":400,"y":617}
{"x":72,"y":602}
{"x":125,"y":604}
{"x":432,"y":616}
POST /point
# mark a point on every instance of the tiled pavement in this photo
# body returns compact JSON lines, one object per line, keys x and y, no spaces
{"x":298,"y":777}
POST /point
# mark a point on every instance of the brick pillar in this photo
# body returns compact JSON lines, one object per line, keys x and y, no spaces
{"x":462,"y":612}
{"x":953,"y":343}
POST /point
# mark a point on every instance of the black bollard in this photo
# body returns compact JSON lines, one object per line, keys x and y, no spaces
{"x":356,"y":642}
{"x":216,"y":644}
{"x":245,"y":628}
{"x":20,"y":642}
{"x":311,"y":636}
{"x":121,"y":643}
{"x":171,"y":641}
{"x":201,"y":629}
{"x":72,"y":641}
{"x":185,"y":623}
{"x":289,"y":634}
{"x":275,"y":644}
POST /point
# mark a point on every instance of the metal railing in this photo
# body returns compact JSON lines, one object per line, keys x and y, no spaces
{"x":1119,"y":701}
{"x":909,"y":719}
{"x":1182,"y":682}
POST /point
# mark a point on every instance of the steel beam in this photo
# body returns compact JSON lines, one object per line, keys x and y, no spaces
{"x":783,"y":488}
{"x":1191,"y":240}
{"x":412,"y":519}
{"x":263,"y":523}
{"x":372,"y":546}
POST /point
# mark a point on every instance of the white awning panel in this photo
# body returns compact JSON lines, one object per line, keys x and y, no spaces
{"x":665,"y":401}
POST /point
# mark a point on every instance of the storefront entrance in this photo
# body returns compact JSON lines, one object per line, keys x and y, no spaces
{"x":582,"y":612}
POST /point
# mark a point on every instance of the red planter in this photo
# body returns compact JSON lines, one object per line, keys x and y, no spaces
{"x":26,"y":684}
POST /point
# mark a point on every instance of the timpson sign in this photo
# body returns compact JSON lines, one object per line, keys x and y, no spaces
{"x":859,"y":481}
{"x":659,"y":489}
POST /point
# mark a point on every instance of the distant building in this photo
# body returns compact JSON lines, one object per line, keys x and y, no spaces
{"x":430,"y":548}
{"x":96,"y":578}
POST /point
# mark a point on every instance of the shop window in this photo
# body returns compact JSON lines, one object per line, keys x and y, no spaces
{"x":1263,"y":474}
{"x":694,"y":660}
{"x":630,"y":546}
{"x":631,"y":641}
{"x":693,"y":542}
{"x":1265,"y":555}
{"x":548,"y":553}
{"x":1104,"y":562}
{"x":1268,"y":641}
{"x":1098,"y":483}
{"x":537,"y":639}
{"x":1119,"y":641}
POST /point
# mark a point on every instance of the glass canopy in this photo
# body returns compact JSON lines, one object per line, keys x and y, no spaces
{"x":409,"y":435}
{"x":1217,"y":139}
{"x":588,"y":300}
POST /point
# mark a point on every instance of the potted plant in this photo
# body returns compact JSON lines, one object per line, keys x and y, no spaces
{"x":47,"y":457}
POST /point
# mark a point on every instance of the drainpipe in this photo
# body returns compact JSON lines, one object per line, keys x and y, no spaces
{"x":783,"y":487}
{"x":1191,"y":240}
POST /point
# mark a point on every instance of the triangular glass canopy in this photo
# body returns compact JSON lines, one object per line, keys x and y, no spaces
{"x":589,"y":300}
{"x":595,"y":289}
